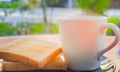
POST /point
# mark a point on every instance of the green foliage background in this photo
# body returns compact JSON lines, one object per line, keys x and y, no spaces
{"x":114,"y":20}
{"x":97,"y":6}
{"x":7,"y":29}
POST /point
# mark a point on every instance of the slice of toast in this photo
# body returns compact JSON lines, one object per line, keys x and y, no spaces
{"x":30,"y":52}
{"x":3,"y":41}
{"x":56,"y":64}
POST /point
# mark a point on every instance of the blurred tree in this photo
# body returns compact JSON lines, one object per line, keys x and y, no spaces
{"x":44,"y":8}
{"x":96,"y":7}
{"x":7,"y":11}
{"x":52,"y":3}
{"x":25,"y":5}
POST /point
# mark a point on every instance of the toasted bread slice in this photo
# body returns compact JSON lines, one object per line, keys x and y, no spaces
{"x":56,"y":64}
{"x":30,"y":52}
{"x":3,"y":41}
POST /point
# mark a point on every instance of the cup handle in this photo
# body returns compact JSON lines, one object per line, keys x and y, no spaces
{"x":117,"y":37}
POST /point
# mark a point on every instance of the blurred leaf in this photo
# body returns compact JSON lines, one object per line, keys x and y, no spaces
{"x":97,"y":6}
{"x":40,"y":28}
{"x":14,"y":5}
{"x":53,"y":2}
{"x":37,"y":29}
{"x":110,"y":32}
{"x":3,"y":4}
{"x":85,"y":4}
{"x":115,"y":21}
{"x":6,"y":29}
{"x":53,"y":28}
{"x":101,"y":5}
{"x":24,"y":7}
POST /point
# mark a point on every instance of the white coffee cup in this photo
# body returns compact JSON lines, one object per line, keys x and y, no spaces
{"x":83,"y":40}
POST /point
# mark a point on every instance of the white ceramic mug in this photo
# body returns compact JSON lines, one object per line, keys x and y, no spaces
{"x":83,"y":40}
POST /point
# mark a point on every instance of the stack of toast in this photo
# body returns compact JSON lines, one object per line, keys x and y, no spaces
{"x":27,"y":54}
